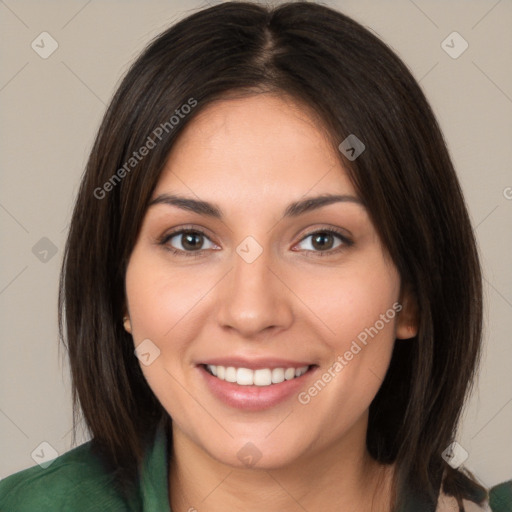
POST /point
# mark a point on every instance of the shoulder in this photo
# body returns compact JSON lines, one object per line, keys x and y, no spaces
{"x":499,"y":500}
{"x":74,"y":481}
{"x":500,"y":497}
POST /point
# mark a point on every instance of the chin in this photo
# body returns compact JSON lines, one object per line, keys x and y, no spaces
{"x":258,"y":453}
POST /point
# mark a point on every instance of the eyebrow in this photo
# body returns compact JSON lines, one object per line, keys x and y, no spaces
{"x":212,"y":210}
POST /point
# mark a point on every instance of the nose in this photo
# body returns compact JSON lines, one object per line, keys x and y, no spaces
{"x":253,"y":298}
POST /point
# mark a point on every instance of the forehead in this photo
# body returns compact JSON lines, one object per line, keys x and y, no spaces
{"x":264,"y":144}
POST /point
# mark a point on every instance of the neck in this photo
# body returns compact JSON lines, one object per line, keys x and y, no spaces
{"x":340,"y":477}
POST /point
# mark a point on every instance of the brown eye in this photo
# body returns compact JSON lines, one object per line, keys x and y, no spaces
{"x":323,"y":241}
{"x":191,"y":241}
{"x":188,"y":241}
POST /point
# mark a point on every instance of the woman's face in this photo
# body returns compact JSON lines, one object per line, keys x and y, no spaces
{"x":262,"y":281}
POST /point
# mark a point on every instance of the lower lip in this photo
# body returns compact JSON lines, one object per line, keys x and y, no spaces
{"x":254,"y":398}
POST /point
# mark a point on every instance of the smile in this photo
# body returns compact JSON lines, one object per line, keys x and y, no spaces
{"x":256,"y":389}
{"x":259,"y":377}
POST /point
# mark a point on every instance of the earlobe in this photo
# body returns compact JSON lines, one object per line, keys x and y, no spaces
{"x":408,"y":317}
{"x":127,"y":324}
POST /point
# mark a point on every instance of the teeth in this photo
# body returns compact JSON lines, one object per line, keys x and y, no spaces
{"x":260,"y":377}
{"x":245,"y":377}
{"x":289,"y":373}
{"x":230,"y":374}
{"x":277,"y":375}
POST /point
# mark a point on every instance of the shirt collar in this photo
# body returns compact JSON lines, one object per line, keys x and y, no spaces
{"x":154,"y":480}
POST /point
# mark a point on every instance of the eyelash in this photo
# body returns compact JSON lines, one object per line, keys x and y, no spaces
{"x":346,"y":242}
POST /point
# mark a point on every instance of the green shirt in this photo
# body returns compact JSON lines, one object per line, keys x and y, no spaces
{"x":76,"y":481}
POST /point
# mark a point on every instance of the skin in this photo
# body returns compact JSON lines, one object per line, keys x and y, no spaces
{"x":252,"y":157}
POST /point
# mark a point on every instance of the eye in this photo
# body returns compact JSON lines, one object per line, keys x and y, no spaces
{"x":192,"y":242}
{"x":325,"y":240}
{"x":187,"y":241}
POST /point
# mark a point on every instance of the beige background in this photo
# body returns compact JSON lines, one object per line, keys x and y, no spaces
{"x":52,"y":107}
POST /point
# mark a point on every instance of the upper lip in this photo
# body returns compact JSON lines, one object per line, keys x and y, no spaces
{"x":255,"y":363}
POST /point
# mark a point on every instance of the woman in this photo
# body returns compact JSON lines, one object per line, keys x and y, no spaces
{"x":271,"y":295}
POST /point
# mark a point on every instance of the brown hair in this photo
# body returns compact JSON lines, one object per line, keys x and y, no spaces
{"x":405,"y":177}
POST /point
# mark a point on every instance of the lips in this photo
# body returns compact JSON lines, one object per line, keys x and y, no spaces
{"x":234,"y":387}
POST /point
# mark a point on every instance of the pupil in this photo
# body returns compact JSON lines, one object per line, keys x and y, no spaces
{"x":189,"y":242}
{"x":319,"y":241}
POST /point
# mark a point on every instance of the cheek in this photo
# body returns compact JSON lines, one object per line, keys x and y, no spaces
{"x":161,"y":307}
{"x":158,"y":299}
{"x":358,"y":308}
{"x":352,"y":301}
{"x":361,"y":312}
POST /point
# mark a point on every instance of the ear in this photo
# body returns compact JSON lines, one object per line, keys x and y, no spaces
{"x":126,"y":321}
{"x":406,"y":326}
